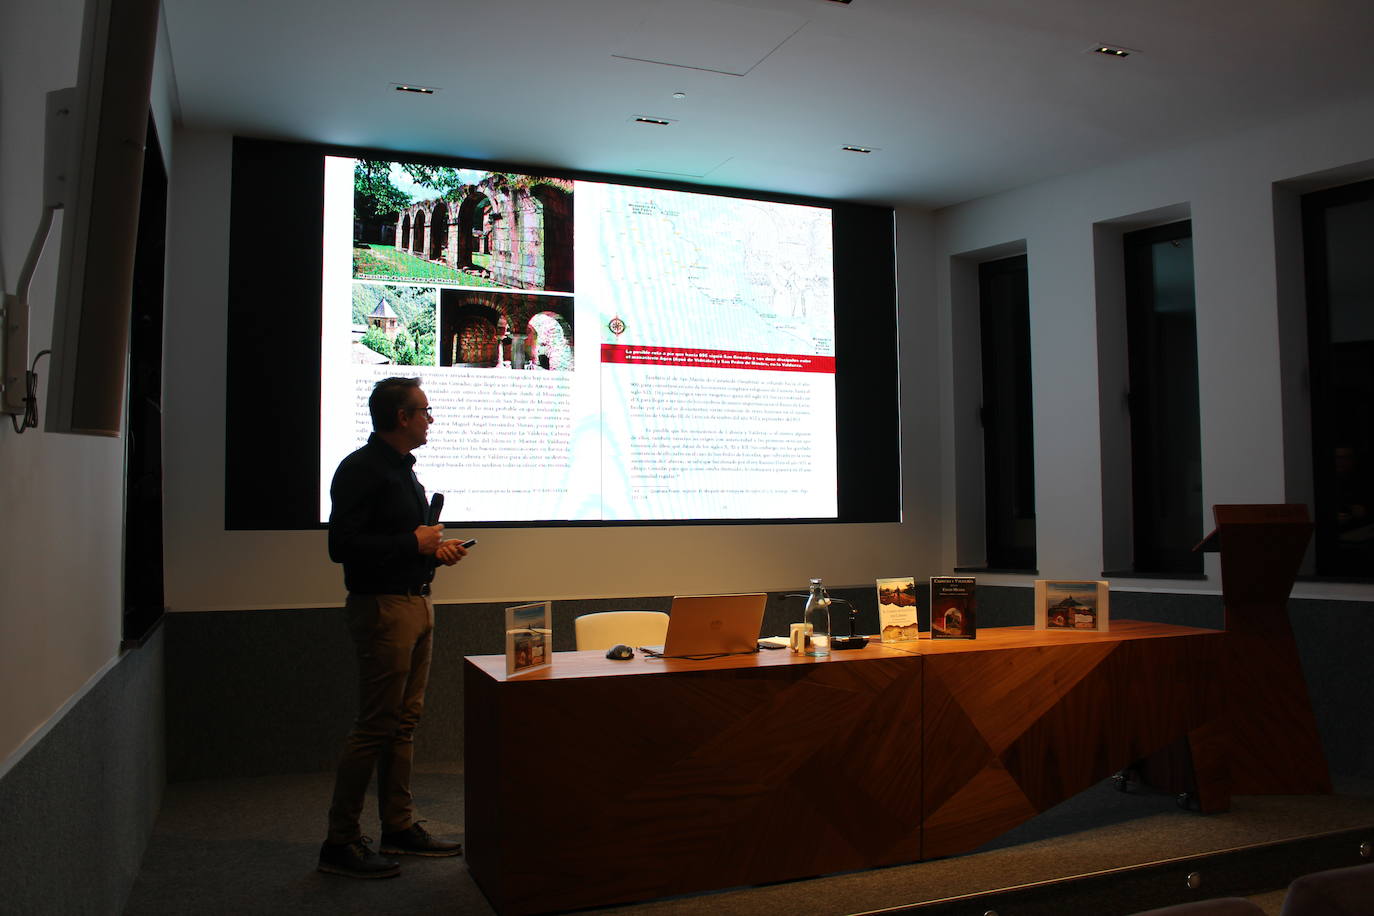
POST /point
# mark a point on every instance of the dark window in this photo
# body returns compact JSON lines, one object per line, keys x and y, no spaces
{"x":1166,"y":451}
{"x":1338,"y":236}
{"x":1008,"y":433}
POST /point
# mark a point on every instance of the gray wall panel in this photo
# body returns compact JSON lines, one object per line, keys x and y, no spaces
{"x":79,"y":807}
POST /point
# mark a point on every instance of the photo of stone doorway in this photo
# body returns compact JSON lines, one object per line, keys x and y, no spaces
{"x":487,"y":330}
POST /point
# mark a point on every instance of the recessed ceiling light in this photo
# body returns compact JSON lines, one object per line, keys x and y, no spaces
{"x":858,"y":149}
{"x":1113,"y":50}
{"x":679,"y":96}
{"x":418,"y":90}
{"x":656,"y":122}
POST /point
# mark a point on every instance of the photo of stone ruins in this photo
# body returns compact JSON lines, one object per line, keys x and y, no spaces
{"x":500,"y":230}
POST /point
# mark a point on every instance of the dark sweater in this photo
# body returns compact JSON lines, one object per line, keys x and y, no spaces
{"x":377,"y":505}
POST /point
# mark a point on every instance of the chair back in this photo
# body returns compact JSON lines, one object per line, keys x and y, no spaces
{"x":1337,"y":892}
{"x":610,"y":628}
{"x":1221,"y":906}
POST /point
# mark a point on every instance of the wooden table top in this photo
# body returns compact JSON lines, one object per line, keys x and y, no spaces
{"x":569,"y":665}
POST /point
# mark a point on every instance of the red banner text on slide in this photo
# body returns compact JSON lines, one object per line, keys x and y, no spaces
{"x":691,"y":357}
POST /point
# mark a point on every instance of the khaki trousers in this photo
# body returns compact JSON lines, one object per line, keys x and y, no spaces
{"x":393,"y":636}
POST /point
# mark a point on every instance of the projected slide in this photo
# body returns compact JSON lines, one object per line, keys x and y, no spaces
{"x":716,"y":323}
{"x":591,"y":351}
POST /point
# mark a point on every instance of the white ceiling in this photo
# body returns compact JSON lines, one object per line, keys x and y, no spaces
{"x":960,"y":98}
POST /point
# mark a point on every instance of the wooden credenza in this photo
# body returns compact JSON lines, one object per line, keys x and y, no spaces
{"x":596,"y":782}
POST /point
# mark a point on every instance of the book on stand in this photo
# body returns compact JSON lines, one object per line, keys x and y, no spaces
{"x":529,"y":637}
{"x":953,"y":607}
{"x":897,"y":620}
{"x":1072,"y":604}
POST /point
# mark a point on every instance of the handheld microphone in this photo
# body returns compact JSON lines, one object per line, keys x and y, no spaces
{"x":436,"y":506}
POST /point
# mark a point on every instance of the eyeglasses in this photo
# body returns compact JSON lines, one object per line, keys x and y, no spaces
{"x":428,"y":413}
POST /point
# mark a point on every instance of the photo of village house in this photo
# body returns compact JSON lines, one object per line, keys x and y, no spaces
{"x":393,"y":324}
{"x":482,"y":330}
{"x":462,"y":227}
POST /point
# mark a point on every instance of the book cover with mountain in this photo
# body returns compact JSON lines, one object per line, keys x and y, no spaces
{"x":1071,"y":604}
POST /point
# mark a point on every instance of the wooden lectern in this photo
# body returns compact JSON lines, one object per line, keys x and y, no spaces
{"x":1274,"y":745}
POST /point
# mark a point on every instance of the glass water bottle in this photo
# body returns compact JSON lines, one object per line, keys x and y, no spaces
{"x":817,"y":620}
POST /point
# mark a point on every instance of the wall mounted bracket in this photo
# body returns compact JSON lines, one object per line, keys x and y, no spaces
{"x":59,"y":124}
{"x":14,"y":318}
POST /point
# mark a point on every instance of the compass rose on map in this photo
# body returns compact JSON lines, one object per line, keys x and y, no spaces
{"x":616,"y":326}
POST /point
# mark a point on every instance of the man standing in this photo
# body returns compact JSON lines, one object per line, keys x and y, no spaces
{"x":378,"y":531}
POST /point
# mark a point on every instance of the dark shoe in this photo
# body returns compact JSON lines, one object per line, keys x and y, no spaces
{"x":416,"y":841}
{"x":356,"y":860}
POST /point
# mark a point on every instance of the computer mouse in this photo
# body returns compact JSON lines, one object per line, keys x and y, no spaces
{"x":620,"y":652}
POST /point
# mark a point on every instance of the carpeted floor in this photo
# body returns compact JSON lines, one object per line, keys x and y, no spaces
{"x":248,"y":846}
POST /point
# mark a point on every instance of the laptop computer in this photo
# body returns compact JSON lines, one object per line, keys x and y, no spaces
{"x":711,"y":625}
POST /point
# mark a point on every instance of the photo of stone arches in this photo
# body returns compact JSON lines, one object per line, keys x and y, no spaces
{"x":487,"y":330}
{"x":393,"y":324}
{"x":462,"y":227}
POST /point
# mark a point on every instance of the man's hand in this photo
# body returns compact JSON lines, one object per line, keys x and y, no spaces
{"x":427,"y":538}
{"x":450,"y":552}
